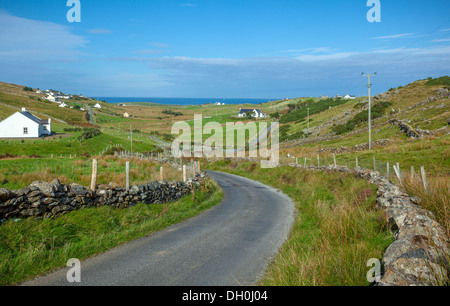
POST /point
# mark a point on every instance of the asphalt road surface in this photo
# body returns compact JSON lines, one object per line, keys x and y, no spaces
{"x":231,"y":244}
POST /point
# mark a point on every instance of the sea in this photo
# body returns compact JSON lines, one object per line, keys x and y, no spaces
{"x":183,"y":101}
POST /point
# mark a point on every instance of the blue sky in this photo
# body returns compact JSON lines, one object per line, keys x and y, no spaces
{"x":222,"y":48}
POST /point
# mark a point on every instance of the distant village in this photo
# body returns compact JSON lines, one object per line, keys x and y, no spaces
{"x":59,"y":97}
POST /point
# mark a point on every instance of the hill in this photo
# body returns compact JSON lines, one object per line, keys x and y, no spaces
{"x":423,"y":106}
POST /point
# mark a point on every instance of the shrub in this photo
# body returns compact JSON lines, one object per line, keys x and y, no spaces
{"x":170,"y":112}
{"x":445,"y":80}
{"x":376,"y":111}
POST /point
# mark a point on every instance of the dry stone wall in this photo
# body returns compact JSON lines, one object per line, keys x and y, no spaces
{"x":420,"y":254}
{"x":47,"y":200}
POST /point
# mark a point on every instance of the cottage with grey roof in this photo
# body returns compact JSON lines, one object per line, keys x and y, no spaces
{"x":24,"y":125}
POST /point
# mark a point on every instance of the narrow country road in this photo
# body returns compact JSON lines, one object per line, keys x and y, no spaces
{"x":231,"y":244}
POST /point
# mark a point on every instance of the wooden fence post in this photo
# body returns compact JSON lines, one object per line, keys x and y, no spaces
{"x":413,"y":173}
{"x":94,"y":174}
{"x":198,"y":165}
{"x":356,"y":162}
{"x":161,"y":173}
{"x":305,"y":162}
{"x":398,"y":173}
{"x":424,"y":178}
{"x":334,"y":159}
{"x":184,"y":173}
{"x":127,"y":174}
{"x":318,"y":160}
{"x":374,"y":164}
{"x":387,"y":170}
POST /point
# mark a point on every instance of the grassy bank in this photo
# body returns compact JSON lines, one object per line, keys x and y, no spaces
{"x":33,"y":247}
{"x":336,"y":231}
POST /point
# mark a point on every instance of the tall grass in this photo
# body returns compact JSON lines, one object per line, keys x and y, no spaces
{"x":336,"y":231}
{"x":435,"y":198}
{"x":19,"y":173}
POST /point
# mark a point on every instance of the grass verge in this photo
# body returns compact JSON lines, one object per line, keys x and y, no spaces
{"x":33,"y":247}
{"x":336,"y":231}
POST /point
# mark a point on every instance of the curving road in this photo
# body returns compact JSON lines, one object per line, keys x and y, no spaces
{"x":230,"y":244}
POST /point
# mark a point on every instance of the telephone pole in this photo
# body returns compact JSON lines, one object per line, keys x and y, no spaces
{"x":370,"y":110}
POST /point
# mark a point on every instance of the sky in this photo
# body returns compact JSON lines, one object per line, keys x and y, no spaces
{"x":222,"y":48}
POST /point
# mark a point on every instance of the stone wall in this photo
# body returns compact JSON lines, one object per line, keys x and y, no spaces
{"x":420,"y":253}
{"x":47,"y":200}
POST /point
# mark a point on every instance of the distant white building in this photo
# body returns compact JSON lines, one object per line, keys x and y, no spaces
{"x":24,"y":125}
{"x":62,"y":104}
{"x":347,"y":96}
{"x":256,"y":113}
{"x":63,"y":97}
{"x":52,"y":98}
{"x":97,"y":106}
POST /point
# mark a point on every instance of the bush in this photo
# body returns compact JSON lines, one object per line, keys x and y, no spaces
{"x":445,"y":80}
{"x":170,"y":112}
{"x":28,"y":89}
{"x":89,"y":133}
{"x":376,"y":111}
{"x":300,"y":112}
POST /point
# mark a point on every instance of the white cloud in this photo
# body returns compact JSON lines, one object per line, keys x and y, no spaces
{"x":158,"y":45}
{"x":99,"y":31}
{"x":404,"y":35}
{"x":27,"y":40}
{"x":441,"y":40}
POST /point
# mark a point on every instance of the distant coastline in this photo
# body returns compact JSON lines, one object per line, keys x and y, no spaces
{"x":182,"y":101}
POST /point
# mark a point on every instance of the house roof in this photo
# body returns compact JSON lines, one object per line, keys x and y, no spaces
{"x":34,"y":118}
{"x":247,"y":110}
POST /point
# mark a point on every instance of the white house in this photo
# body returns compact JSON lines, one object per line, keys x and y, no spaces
{"x":97,"y":106}
{"x":24,"y":125}
{"x":52,"y":98}
{"x":347,"y":96}
{"x":257,"y":113}
{"x":62,"y":104}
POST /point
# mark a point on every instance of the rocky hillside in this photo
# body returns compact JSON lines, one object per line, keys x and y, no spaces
{"x":422,"y":106}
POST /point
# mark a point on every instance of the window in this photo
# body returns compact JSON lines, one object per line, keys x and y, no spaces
{"x":25,"y":131}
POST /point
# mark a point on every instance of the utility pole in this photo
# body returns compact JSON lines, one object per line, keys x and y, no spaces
{"x":370,"y":110}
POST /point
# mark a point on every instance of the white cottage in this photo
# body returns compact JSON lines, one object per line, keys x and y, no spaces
{"x":24,"y":125}
{"x":256,"y":113}
{"x":97,"y":106}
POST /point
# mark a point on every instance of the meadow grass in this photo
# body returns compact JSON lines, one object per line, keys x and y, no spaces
{"x":33,"y":247}
{"x":19,"y":173}
{"x":336,"y":231}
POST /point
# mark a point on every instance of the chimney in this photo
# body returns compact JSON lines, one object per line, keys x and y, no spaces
{"x":24,"y":109}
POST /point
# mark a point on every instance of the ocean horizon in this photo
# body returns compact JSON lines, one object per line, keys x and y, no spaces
{"x":182,"y":101}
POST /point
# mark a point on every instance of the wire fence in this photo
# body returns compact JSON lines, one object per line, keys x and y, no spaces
{"x":17,"y":174}
{"x":392,"y":170}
